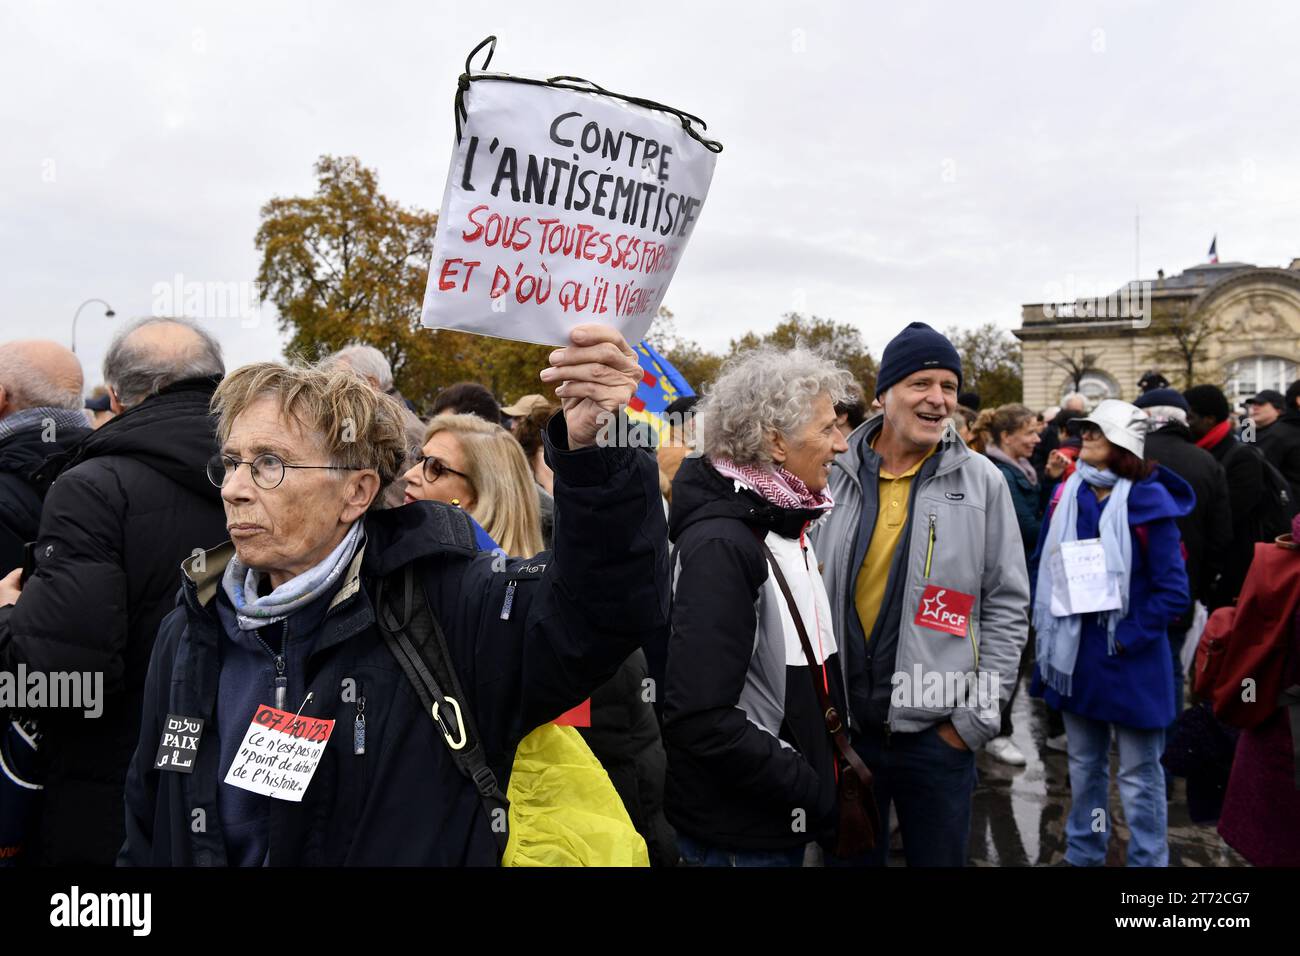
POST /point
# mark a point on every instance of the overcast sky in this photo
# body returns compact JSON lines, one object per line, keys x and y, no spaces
{"x":883,"y":162}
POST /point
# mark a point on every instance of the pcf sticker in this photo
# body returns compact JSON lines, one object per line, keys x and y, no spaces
{"x":943,"y":609}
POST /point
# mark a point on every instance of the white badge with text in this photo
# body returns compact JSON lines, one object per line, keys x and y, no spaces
{"x":1080,"y":582}
{"x":279,"y":753}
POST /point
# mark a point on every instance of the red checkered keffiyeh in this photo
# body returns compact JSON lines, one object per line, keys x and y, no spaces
{"x":778,"y":486}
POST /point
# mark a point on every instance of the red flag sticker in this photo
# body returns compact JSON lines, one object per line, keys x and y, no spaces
{"x":580,"y":716}
{"x":945,"y":610}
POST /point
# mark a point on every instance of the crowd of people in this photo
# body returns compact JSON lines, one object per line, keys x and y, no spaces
{"x":793,"y":622}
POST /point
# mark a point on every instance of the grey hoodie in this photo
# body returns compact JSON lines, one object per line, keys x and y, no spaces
{"x":961,"y":546}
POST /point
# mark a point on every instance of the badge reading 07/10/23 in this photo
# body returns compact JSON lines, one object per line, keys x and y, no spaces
{"x":279,"y":753}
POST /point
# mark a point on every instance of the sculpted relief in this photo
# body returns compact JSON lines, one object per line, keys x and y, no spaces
{"x":1258,"y":314}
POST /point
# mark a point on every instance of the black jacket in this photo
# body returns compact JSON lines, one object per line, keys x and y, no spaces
{"x":1207,"y":531}
{"x":1048,"y":442}
{"x":574,"y":615}
{"x":129,"y":502}
{"x":1280,"y":443}
{"x":624,"y":736}
{"x":21,"y":456}
{"x":1244,"y":468}
{"x":748,"y":752}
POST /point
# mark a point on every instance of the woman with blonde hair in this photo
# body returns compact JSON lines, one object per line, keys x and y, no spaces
{"x":479,"y":467}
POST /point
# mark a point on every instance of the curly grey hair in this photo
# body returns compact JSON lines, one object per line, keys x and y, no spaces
{"x":762,"y":391}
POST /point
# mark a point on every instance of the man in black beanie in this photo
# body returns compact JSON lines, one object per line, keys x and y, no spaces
{"x":925,"y":570}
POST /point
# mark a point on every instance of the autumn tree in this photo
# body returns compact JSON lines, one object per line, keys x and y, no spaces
{"x":348,"y":265}
{"x":990,"y":362}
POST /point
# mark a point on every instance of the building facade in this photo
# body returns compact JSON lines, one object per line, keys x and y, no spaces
{"x":1230,"y":324}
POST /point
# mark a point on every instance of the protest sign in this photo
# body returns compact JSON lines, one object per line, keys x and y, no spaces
{"x":1080,"y":582}
{"x":563,"y":205}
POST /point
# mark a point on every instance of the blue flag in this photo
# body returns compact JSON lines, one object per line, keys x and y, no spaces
{"x":661,"y":385}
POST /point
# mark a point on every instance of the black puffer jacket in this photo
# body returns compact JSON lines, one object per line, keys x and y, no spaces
{"x":624,"y":736}
{"x":1280,"y":443}
{"x":1207,"y":531}
{"x":21,"y":456}
{"x":750,"y":765}
{"x":1244,"y":468}
{"x":129,"y":503}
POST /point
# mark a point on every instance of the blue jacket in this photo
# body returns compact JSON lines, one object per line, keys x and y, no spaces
{"x":529,"y":639}
{"x":1135,"y":687}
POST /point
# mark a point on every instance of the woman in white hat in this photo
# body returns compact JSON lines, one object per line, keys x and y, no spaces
{"x":1111,"y":579}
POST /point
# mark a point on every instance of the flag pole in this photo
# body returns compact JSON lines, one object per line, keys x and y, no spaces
{"x":1137,"y":244}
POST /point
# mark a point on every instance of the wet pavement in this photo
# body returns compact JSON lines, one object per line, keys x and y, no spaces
{"x":1019,"y":813}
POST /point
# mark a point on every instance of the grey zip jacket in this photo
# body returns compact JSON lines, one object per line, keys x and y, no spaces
{"x":955,"y":614}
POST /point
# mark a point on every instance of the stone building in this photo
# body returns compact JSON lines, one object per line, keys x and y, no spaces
{"x":1239,"y":325}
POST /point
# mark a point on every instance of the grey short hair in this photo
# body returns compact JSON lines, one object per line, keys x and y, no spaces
{"x":762,"y":391}
{"x":367,"y":361}
{"x":1161,"y":415}
{"x":26,"y":387}
{"x":134,"y":373}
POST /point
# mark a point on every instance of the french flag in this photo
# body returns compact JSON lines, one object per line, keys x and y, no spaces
{"x":1214,"y":249}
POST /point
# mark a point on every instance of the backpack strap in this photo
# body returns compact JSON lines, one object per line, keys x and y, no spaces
{"x":416,"y":640}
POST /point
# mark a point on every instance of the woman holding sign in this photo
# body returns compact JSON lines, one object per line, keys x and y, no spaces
{"x":358,"y":679}
{"x":1110,"y":580}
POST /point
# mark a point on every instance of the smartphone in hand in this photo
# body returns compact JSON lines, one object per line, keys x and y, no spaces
{"x":29,"y":562}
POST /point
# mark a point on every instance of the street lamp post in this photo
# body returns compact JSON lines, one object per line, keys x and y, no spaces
{"x":108,"y":314}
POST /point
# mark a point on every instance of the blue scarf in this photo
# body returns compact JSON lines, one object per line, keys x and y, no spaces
{"x":240,"y":581}
{"x":1057,"y":643}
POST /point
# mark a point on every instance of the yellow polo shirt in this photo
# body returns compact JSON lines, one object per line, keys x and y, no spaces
{"x":891,"y":517}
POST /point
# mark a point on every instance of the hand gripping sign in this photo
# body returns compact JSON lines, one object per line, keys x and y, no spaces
{"x":565,"y":203}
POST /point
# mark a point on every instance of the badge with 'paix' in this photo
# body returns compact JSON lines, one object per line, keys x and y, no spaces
{"x":179,"y":743}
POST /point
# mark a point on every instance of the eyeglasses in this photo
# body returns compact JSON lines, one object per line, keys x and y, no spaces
{"x":1089,"y":431}
{"x":435,"y":468}
{"x":267,"y":469}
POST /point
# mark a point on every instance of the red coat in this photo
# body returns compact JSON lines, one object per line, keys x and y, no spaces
{"x":1261,"y":810}
{"x":1250,"y":642}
